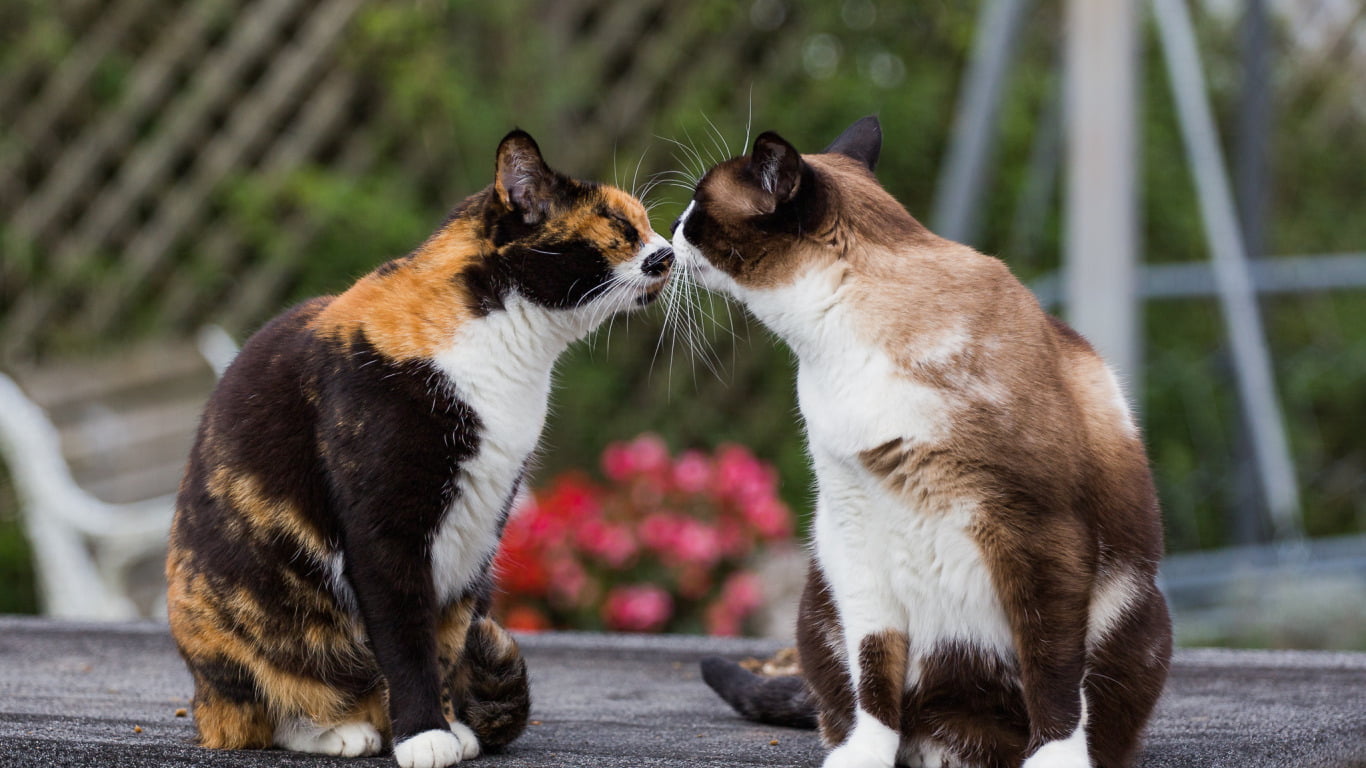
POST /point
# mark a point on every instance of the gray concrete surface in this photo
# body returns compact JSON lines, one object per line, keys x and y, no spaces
{"x":76,"y":695}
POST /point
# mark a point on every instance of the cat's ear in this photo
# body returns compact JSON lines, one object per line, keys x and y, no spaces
{"x":861,"y":141}
{"x":776,"y":166}
{"x":522,"y":180}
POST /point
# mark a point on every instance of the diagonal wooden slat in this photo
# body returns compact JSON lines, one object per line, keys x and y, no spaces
{"x":111,"y":133}
{"x":77,"y":171}
{"x":31,"y":67}
{"x":318,"y":121}
{"x":262,"y":290}
{"x":32,"y":128}
{"x":151,"y":163}
{"x":291,"y":71}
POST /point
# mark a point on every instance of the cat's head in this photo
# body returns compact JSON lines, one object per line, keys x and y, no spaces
{"x":559,"y":243}
{"x":757,"y":221}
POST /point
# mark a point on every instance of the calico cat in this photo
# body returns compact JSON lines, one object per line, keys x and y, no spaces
{"x":329,"y":562}
{"x":982,"y":587}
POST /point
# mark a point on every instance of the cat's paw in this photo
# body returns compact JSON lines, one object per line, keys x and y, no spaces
{"x":1067,"y":753}
{"x":851,"y":754}
{"x":468,"y":741}
{"x":359,"y":739}
{"x":429,"y":749}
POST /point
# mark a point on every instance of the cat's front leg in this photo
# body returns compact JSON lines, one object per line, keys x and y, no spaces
{"x":398,"y":603}
{"x":875,"y":648}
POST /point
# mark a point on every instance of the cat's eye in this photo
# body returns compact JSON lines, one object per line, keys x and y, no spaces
{"x":626,"y":225}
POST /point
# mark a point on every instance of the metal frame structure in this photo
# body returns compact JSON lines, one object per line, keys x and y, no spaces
{"x":1103,"y":285}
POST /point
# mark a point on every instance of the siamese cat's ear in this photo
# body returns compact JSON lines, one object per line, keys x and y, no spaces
{"x":522,"y":180}
{"x":776,"y":166}
{"x":861,"y":141}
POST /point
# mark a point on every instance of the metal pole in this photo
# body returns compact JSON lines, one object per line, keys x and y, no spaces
{"x":1101,"y":209}
{"x":1251,"y":358}
{"x":1249,"y":513}
{"x":1254,"y":125}
{"x":958,"y":193}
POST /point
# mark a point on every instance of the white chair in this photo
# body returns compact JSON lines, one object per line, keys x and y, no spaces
{"x":85,"y":549}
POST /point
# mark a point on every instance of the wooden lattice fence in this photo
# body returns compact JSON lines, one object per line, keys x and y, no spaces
{"x":112,"y":217}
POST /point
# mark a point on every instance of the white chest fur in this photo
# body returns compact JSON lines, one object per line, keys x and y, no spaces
{"x":889,"y":563}
{"x":500,"y":366}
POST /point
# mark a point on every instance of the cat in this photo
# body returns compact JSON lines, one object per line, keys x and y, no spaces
{"x":986,"y":536}
{"x":329,"y":563}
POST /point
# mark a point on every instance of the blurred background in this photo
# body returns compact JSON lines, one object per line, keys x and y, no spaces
{"x":1182,"y":180}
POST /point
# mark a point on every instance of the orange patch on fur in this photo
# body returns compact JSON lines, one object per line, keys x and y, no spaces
{"x":413,"y":310}
{"x":268,"y":517}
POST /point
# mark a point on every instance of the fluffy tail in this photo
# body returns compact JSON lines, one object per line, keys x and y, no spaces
{"x":772,"y":700}
{"x":495,"y":698}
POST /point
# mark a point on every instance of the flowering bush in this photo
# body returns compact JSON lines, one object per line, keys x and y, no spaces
{"x":661,"y":546}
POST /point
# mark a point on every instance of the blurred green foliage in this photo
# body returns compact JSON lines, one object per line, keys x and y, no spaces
{"x":452,"y":77}
{"x":452,"y":80}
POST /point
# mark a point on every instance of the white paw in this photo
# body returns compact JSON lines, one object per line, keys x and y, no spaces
{"x":358,"y":739}
{"x":468,"y":741}
{"x":852,"y":755}
{"x":1066,"y":753}
{"x":429,"y":749}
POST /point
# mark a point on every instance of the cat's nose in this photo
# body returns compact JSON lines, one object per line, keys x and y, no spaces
{"x":658,"y":262}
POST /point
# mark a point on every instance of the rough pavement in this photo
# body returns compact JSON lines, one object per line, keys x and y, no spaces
{"x":76,"y":695}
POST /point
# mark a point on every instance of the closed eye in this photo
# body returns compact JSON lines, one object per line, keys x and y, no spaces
{"x":627,"y":228}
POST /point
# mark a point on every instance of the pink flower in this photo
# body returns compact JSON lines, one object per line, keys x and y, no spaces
{"x":734,"y":537}
{"x":566,"y":580}
{"x":618,"y":463}
{"x":612,"y":543}
{"x":637,"y":608}
{"x":692,"y":473}
{"x":648,"y":453}
{"x":572,"y":498}
{"x":695,"y":542}
{"x":659,"y":531}
{"x":769,"y":517}
{"x":740,"y":476}
{"x":742,"y":593}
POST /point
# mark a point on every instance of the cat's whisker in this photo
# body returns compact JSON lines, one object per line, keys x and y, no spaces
{"x":697,"y":165}
{"x":749,"y":117}
{"x":718,"y":139}
{"x":635,"y":175}
{"x":710,"y":158}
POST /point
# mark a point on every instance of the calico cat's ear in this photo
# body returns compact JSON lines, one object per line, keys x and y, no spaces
{"x":776,"y":166}
{"x":861,"y":141}
{"x":522,"y":180}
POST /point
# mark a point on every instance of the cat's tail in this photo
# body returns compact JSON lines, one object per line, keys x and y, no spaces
{"x":495,"y":698}
{"x":773,"y":700}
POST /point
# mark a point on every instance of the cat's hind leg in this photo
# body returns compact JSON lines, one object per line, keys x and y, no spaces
{"x":1127,"y":670}
{"x":1043,"y":581}
{"x":228,"y":710}
{"x":226,"y":724}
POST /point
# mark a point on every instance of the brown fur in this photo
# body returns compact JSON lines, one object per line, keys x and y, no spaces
{"x":1033,"y":439}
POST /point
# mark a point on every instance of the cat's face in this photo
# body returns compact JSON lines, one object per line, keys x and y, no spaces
{"x":757,"y":221}
{"x":563,"y":244}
